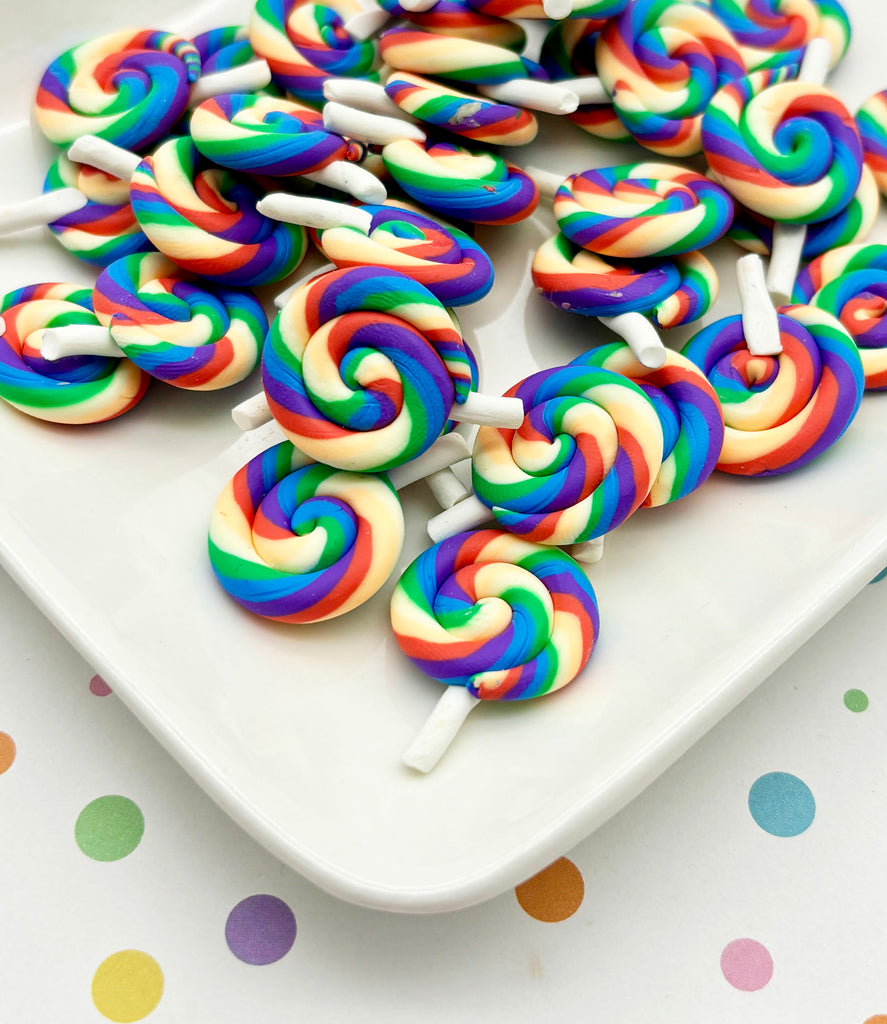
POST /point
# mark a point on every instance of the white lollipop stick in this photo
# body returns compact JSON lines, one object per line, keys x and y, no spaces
{"x":588,"y":88}
{"x":245,"y":78}
{"x":640,"y":336}
{"x":447,"y":450}
{"x":313,"y":212}
{"x":788,"y":239}
{"x":465,"y":515}
{"x":252,"y":412}
{"x":32,"y":213}
{"x":349,"y":177}
{"x":548,"y":97}
{"x":557,"y":10}
{"x":447,"y":488}
{"x":440,"y":728}
{"x":588,"y":552}
{"x":366,"y":23}
{"x":548,"y":182}
{"x":376,"y":129}
{"x":113,"y":160}
{"x":363,"y":95}
{"x":759,"y":321}
{"x":417,"y":6}
{"x":78,"y":340}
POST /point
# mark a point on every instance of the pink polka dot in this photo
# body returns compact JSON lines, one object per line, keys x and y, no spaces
{"x":746,"y":964}
{"x":99,"y":687}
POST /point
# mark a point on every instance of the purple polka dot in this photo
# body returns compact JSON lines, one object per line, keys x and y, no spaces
{"x":746,"y":964}
{"x":260,"y":929}
{"x":99,"y":687}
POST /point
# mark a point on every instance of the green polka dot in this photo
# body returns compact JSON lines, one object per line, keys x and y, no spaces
{"x":109,"y":828}
{"x":855,"y":700}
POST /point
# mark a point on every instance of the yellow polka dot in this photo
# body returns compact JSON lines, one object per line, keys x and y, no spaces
{"x":7,"y":752}
{"x":127,"y":986}
{"x":555,"y":894}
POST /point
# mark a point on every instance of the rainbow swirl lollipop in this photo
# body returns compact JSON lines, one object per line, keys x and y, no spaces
{"x":361,"y":368}
{"x":670,"y":292}
{"x":448,"y":262}
{"x":773,"y":33}
{"x":106,"y":228}
{"x":505,"y":618}
{"x":192,"y":334}
{"x":479,"y":187}
{"x":305,"y":44}
{"x":470,"y":117}
{"x":129,"y":87}
{"x":787,"y":150}
{"x":205,"y":219}
{"x":689,"y":412}
{"x":77,"y":389}
{"x":458,"y":18}
{"x":871,"y":120}
{"x":850,"y":282}
{"x":662,"y":61}
{"x":568,"y":52}
{"x":780,"y":411}
{"x":295,"y":541}
{"x":264,"y":135}
{"x":462,"y":60}
{"x":223,"y":48}
{"x":641,"y":210}
{"x":580,"y":464}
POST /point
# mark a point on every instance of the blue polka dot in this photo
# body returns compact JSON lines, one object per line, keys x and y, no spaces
{"x":781,"y":804}
{"x":879,"y":577}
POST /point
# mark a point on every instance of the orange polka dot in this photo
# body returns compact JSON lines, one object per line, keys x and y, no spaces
{"x":7,"y":752}
{"x":555,"y":894}
{"x":879,"y":1018}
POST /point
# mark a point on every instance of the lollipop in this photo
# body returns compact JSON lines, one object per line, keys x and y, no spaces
{"x":127,"y":87}
{"x":470,"y":117}
{"x":189,"y":333}
{"x":458,"y":18}
{"x":362,"y":368}
{"x":306,"y":43}
{"x":780,"y":411}
{"x":495,"y":618}
{"x":622,"y":294}
{"x":479,"y":187}
{"x":202,"y":217}
{"x":774,"y":33}
{"x":223,"y":48}
{"x":447,"y":261}
{"x":851,"y":283}
{"x":786,"y":150}
{"x":567,"y":56}
{"x":871,"y":120}
{"x":264,"y":135}
{"x":689,"y":412}
{"x":661,"y":61}
{"x":639,"y":210}
{"x":81,"y":389}
{"x":295,"y":541}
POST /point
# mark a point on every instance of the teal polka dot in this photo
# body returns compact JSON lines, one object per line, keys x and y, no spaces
{"x":856,"y":700}
{"x":879,"y":577}
{"x":781,"y":804}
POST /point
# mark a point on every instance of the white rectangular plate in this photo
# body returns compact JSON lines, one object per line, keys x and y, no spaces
{"x":297,"y":731}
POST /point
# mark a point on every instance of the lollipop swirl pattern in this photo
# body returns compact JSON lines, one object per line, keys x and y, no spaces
{"x":505,"y":618}
{"x":306,"y":43}
{"x":75,"y":389}
{"x":480,"y":187}
{"x":871,"y":120}
{"x":224,"y":48}
{"x":661,"y":61}
{"x":688,"y":409}
{"x":298,"y":542}
{"x":582,"y":461}
{"x":204,"y":219}
{"x":851,"y":283}
{"x":106,"y":228}
{"x":780,"y":412}
{"x":447,"y":261}
{"x":638,"y":210}
{"x":263,"y":135}
{"x":127,"y":87}
{"x":787,"y":150}
{"x":671,"y":292}
{"x":458,"y":18}
{"x":191,"y":334}
{"x":361,"y":368}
